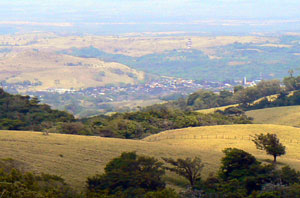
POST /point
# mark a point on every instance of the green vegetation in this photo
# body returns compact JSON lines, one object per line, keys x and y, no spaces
{"x":270,"y":143}
{"x":240,"y":175}
{"x":263,"y":95}
{"x":77,"y":157}
{"x":236,"y":60}
{"x":204,"y":99}
{"x":283,"y":99}
{"x":16,"y":184}
{"x":128,"y":176}
{"x":25,"y":113}
{"x":155,"y":119}
{"x":187,"y":168}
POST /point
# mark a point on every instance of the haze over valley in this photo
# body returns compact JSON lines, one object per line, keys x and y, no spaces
{"x":149,"y":98}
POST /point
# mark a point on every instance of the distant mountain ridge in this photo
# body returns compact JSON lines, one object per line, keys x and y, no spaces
{"x":228,"y":62}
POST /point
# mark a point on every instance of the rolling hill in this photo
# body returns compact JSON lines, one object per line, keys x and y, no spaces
{"x":76,"y":157}
{"x":165,"y":55}
{"x":46,"y":70}
{"x":288,"y":115}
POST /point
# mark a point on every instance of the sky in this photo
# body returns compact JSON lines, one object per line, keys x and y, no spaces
{"x":121,"y":16}
{"x":147,"y":11}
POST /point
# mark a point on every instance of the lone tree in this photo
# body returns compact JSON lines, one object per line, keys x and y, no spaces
{"x":188,"y":168}
{"x":270,"y":143}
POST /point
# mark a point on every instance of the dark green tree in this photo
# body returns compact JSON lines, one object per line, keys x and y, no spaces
{"x":17,"y":184}
{"x":289,"y":176}
{"x":247,"y":95}
{"x":237,"y":88}
{"x":169,"y":193}
{"x":240,"y":172}
{"x":270,"y":143}
{"x":237,"y":164}
{"x":267,"y":88}
{"x":129,"y":175}
{"x":188,"y":168}
{"x":234,"y":111}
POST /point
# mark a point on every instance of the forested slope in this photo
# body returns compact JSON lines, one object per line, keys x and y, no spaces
{"x":24,"y":113}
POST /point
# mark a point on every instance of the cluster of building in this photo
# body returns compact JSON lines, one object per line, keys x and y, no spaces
{"x":249,"y":83}
{"x":151,"y":89}
{"x":159,"y":87}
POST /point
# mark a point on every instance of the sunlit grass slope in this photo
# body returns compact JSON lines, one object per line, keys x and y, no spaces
{"x":212,"y":110}
{"x":222,"y":108}
{"x":77,"y":157}
{"x":289,"y":115}
{"x":209,"y":141}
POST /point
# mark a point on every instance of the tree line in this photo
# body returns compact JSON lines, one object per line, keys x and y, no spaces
{"x":204,"y":99}
{"x":155,"y":119}
{"x":286,"y":93}
{"x":24,"y":113}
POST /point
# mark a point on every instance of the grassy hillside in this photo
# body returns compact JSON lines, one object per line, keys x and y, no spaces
{"x":139,"y":45}
{"x":289,"y":115}
{"x":76,"y":157}
{"x":211,"y":110}
{"x":46,"y":70}
{"x":211,"y":140}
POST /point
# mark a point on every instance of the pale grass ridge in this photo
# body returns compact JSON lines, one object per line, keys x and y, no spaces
{"x":289,"y":115}
{"x":76,"y":157}
{"x":212,"y":110}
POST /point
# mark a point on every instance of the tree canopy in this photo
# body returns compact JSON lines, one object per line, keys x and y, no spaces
{"x":270,"y":143}
{"x":129,"y":175}
{"x":188,"y":168}
{"x":24,"y":113}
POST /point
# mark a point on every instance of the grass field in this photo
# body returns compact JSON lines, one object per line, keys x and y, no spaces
{"x":289,"y":115}
{"x":211,"y":110}
{"x":54,"y":71}
{"x":77,"y":157}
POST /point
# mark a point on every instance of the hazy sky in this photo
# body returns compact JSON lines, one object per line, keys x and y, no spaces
{"x":146,"y":10}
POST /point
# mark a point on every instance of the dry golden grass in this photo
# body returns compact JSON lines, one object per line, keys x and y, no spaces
{"x":131,"y":44}
{"x":208,"y":142}
{"x":143,"y":45}
{"x":270,"y":98}
{"x":289,"y":115}
{"x":211,"y":110}
{"x":77,"y":157}
{"x":53,"y":71}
